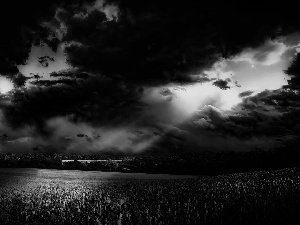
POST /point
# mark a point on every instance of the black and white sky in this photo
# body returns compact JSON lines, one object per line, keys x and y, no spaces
{"x":89,"y":76}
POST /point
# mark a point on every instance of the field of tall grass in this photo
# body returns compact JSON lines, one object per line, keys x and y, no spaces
{"x":265,"y":197}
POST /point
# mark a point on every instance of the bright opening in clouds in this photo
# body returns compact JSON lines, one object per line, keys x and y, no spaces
{"x":262,"y":68}
{"x":252,"y":70}
{"x":5,"y":85}
{"x":42,"y":61}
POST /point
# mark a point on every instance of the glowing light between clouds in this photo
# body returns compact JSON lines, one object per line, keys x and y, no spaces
{"x":254,"y":69}
{"x":34,"y":67}
{"x":5,"y":85}
{"x":199,"y":95}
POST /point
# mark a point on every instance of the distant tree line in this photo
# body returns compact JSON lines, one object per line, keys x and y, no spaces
{"x":202,"y":163}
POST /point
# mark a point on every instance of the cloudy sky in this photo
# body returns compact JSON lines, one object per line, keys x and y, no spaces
{"x":145,"y":76}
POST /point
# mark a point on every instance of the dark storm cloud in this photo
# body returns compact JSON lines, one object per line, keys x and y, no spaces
{"x":48,"y":83}
{"x":245,"y":94}
{"x":19,"y":79}
{"x":282,"y":100}
{"x":242,"y":126}
{"x":147,"y":41}
{"x":222,"y":84}
{"x":294,"y":72}
{"x":52,"y":43}
{"x":76,"y":74}
{"x":151,"y":41}
{"x":44,"y":60}
{"x":94,"y":99}
{"x":20,"y":25}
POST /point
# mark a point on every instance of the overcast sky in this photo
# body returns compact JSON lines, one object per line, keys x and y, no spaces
{"x":132,"y":76}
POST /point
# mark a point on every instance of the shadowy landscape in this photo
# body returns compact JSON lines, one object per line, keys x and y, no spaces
{"x":204,"y":163}
{"x":50,"y":197}
{"x":149,"y":112}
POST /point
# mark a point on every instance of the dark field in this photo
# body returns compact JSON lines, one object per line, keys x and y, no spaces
{"x":33,"y":196}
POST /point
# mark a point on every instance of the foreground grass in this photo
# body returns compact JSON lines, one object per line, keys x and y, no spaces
{"x":265,"y":197}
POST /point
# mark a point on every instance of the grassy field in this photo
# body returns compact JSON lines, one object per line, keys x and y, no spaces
{"x":265,"y":197}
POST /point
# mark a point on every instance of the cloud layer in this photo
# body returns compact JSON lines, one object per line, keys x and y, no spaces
{"x":146,"y":75}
